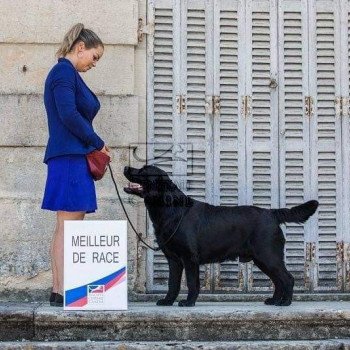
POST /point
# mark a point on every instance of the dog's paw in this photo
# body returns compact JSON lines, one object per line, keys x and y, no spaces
{"x":186,"y":303}
{"x":283,"y":302}
{"x":270,"y":301}
{"x":165,"y":302}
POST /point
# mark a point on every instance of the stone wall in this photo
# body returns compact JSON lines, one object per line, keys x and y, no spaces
{"x":30,"y":32}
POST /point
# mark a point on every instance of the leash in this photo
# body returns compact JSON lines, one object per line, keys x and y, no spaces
{"x":138,"y":234}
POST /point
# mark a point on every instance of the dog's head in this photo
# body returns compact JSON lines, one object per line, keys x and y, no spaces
{"x":155,"y":187}
{"x":147,"y":181}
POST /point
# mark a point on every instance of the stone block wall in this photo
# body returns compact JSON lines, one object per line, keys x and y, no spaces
{"x":30,"y":33}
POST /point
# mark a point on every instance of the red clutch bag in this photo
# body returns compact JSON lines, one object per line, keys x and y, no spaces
{"x":97,"y":163}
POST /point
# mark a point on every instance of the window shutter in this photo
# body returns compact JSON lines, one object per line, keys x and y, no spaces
{"x":229,"y":133}
{"x":262,"y":124}
{"x":294,"y":132}
{"x":163,"y":86}
{"x":345,"y":93}
{"x":325,"y":143}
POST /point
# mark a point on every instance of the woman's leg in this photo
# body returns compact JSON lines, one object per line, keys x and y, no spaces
{"x":57,"y":247}
{"x":53,"y":264}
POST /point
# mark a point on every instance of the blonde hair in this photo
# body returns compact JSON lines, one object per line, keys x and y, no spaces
{"x":76,"y":34}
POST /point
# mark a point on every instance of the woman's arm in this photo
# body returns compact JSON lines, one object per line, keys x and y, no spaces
{"x":64,"y":85}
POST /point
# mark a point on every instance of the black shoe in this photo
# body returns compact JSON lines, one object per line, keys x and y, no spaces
{"x":52,"y":298}
{"x":58,"y":300}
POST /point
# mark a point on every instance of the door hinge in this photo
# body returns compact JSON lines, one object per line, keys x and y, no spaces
{"x":216,"y":105}
{"x":341,"y":106}
{"x":212,"y":105}
{"x":340,"y":252}
{"x":144,"y":29}
{"x":343,"y":265}
{"x":346,"y":257}
{"x":180,"y":104}
{"x":338,"y":106}
{"x":345,"y":106}
{"x":310,"y":251}
{"x":246,"y":106}
{"x":309,"y":110}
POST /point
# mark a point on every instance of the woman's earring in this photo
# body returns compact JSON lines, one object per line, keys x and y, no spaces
{"x":80,"y":54}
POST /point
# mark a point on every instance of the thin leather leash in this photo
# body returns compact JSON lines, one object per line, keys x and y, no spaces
{"x":138,"y":234}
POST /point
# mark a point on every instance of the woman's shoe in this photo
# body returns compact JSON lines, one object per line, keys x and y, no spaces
{"x":58,"y":300}
{"x":52,"y":298}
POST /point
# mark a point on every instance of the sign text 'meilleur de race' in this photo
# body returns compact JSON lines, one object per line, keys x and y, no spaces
{"x":95,"y":265}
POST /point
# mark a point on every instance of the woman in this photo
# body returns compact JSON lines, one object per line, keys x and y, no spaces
{"x":70,"y":106}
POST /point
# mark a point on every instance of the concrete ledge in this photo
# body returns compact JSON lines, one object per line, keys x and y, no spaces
{"x":338,"y":344}
{"x":16,"y":321}
{"x":243,"y":297}
{"x":205,"y":322}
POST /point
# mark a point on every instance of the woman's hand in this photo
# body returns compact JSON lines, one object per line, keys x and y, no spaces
{"x":106,"y":150}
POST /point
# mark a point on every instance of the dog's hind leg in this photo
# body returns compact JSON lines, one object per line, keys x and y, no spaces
{"x":283,"y":280}
{"x":278,"y":293}
{"x":174,"y":282}
{"x":271,"y":255}
{"x":288,"y":284}
{"x":193,"y":284}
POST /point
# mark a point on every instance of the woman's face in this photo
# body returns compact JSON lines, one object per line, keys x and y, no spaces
{"x":87,"y":58}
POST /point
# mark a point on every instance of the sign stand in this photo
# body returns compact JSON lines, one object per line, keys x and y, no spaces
{"x":95,"y":265}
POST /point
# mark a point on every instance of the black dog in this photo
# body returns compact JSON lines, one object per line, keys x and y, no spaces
{"x":201,"y":233}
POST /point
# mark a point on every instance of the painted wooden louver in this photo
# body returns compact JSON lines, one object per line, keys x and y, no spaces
{"x":324,"y":82}
{"x":182,"y":142}
{"x":294,"y":133}
{"x":276,"y":153}
{"x":228,"y":124}
{"x":345,"y":76}
{"x":197,"y":71}
{"x":262,"y":124}
{"x":161,"y":153}
{"x":196,"y":121}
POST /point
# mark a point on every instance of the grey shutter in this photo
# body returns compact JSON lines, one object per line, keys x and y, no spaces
{"x":294,"y":132}
{"x":262,"y":124}
{"x":325,"y":146}
{"x":181,"y":141}
{"x":163,"y":86}
{"x":345,"y":93}
{"x":196,"y":34}
{"x":229,"y":132}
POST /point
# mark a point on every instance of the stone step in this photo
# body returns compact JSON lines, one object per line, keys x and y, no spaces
{"x":225,"y":321}
{"x":334,"y":344}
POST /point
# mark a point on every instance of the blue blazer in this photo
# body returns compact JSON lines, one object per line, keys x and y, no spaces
{"x":70,"y":107}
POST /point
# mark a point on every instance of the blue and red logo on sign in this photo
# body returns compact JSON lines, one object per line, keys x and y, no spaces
{"x":79,"y":296}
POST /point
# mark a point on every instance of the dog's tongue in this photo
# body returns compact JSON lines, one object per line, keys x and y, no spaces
{"x":134,"y":185}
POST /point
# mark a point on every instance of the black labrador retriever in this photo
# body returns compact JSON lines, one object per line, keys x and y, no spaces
{"x":192,"y":233}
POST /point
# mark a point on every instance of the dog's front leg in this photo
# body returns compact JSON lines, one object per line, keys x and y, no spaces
{"x":175,"y":274}
{"x":192,"y":277}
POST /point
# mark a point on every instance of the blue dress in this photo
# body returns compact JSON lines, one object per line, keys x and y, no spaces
{"x":70,"y":107}
{"x":69,"y":185}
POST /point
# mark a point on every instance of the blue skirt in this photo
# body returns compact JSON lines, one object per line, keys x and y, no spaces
{"x":69,"y":185}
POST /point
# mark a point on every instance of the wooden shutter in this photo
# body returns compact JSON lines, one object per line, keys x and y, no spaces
{"x":325,"y":142}
{"x":294,"y":132}
{"x":196,"y":34}
{"x":163,"y":86}
{"x":180,"y":132}
{"x":345,"y":95}
{"x":262,"y":123}
{"x":229,"y":135}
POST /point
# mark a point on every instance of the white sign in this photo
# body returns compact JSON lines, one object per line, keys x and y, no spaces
{"x":95,"y":265}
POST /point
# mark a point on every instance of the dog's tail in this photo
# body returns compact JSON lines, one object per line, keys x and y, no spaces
{"x":298,"y":214}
